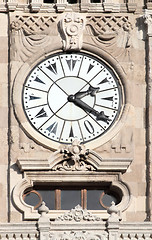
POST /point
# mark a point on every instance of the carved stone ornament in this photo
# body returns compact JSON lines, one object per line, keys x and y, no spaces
{"x":71,"y":28}
{"x":81,"y":235}
{"x":78,"y":214}
{"x":112,"y":33}
{"x":30,"y":34}
{"x":114,"y":213}
{"x":75,"y":157}
{"x":148,"y":21}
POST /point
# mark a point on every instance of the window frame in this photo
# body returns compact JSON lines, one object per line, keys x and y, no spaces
{"x":84,"y":198}
{"x":32,"y":178}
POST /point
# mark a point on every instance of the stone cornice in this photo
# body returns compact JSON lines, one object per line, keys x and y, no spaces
{"x":55,"y":159}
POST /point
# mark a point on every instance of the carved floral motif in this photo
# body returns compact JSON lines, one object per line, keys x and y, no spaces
{"x":76,"y":151}
{"x":69,"y":165}
{"x":75,"y":157}
{"x":78,"y":214}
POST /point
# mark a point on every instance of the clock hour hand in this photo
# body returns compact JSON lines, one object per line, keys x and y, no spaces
{"x":99,"y":115}
{"x":91,"y":91}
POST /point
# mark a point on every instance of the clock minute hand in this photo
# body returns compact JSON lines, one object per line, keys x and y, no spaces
{"x":99,"y":115}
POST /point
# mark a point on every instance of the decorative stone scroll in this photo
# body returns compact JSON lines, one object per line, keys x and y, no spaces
{"x":69,"y":165}
{"x":78,"y":214}
{"x":71,"y":28}
{"x":75,"y":157}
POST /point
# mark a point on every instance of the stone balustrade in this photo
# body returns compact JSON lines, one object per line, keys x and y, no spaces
{"x":77,"y":224}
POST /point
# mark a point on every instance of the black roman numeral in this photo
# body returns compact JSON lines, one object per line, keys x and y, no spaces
{"x":90,"y":67}
{"x":53,"y":68}
{"x":71,"y":132}
{"x":34,"y":97}
{"x":108,"y":98}
{"x":41,"y":113}
{"x":71,"y":64}
{"x":38,"y":80}
{"x":53,"y":128}
{"x":103,"y":81}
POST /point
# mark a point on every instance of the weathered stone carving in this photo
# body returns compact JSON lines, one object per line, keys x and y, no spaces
{"x":81,"y":235}
{"x":75,"y":157}
{"x":30,"y":33}
{"x":78,"y":214}
{"x":76,"y":151}
{"x":148,"y":21}
{"x":71,"y":28}
{"x":123,"y":141}
{"x":24,"y":143}
{"x":69,"y":165}
{"x":108,"y":24}
{"x":33,"y":24}
{"x":111,"y":33}
{"x":43,"y":210}
{"x":114,"y":213}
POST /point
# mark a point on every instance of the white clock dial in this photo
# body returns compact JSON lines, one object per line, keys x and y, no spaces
{"x":70,"y":96}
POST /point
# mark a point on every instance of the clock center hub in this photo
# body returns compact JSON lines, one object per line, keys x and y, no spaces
{"x":61,"y":98}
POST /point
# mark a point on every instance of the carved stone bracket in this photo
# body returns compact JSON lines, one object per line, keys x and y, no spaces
{"x":71,"y":28}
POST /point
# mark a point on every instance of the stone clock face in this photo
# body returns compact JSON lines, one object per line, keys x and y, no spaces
{"x":70,"y":96}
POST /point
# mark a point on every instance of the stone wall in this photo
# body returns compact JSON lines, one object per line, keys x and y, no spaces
{"x":119,"y":33}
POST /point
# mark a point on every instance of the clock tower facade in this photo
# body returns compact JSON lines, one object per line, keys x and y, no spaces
{"x":76,"y":119}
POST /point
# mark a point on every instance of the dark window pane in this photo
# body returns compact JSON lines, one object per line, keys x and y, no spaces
{"x":48,"y":1}
{"x":70,"y":199}
{"x":72,"y":1}
{"x":95,"y":1}
{"x":93,"y":199}
{"x":48,"y":196}
{"x":108,"y":198}
{"x":32,"y":198}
